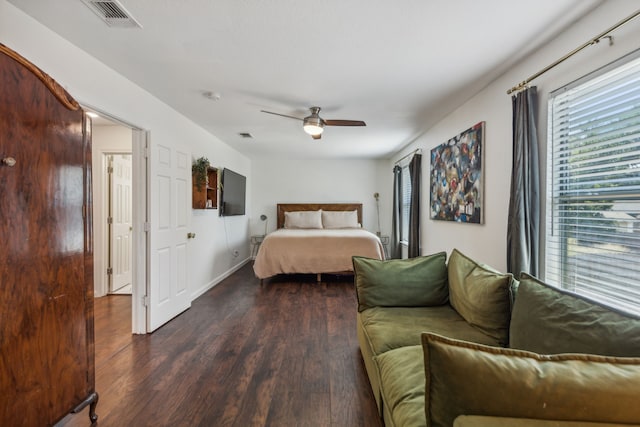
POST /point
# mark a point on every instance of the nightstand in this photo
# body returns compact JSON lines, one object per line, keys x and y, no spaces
{"x":256,"y":241}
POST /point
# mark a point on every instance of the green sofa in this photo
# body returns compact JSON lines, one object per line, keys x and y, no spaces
{"x":462,"y":344}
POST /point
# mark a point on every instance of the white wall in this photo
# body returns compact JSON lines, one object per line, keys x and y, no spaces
{"x":105,"y":140}
{"x":280,"y":180}
{"x":487,"y":243}
{"x":287,"y":180}
{"x":96,"y":85}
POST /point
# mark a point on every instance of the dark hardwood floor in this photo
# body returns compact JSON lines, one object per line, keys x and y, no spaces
{"x":281,"y":354}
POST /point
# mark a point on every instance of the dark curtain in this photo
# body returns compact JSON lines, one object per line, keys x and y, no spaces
{"x":415,"y":172}
{"x":395,"y":251}
{"x":524,"y":204}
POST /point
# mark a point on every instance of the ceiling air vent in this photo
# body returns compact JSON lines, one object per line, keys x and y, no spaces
{"x":113,"y":13}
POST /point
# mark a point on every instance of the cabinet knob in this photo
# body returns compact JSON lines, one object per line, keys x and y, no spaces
{"x":191,"y":235}
{"x":9,"y":161}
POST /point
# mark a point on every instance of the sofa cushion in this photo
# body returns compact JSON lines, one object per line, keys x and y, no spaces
{"x":481,"y":295}
{"x":549,"y":320}
{"x":414,"y":282}
{"x":402,"y":385}
{"x":478,"y":421}
{"x":495,"y":381}
{"x":387,"y":328}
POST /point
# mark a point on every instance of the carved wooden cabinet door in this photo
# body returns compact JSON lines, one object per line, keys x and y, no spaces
{"x":46,"y":286}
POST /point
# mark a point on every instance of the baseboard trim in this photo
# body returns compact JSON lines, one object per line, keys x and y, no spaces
{"x":218,"y":279}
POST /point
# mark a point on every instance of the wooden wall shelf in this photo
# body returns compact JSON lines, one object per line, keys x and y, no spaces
{"x":206,"y":197}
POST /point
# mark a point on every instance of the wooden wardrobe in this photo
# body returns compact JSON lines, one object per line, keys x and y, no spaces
{"x":47,"y":367}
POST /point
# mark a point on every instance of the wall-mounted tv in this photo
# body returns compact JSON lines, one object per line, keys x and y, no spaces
{"x":233,"y":193}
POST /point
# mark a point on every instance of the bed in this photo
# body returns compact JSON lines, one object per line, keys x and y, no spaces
{"x":316,"y":238}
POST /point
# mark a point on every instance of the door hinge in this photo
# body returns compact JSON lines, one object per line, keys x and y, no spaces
{"x":147,"y":227}
{"x":145,"y":301}
{"x":146,"y":152}
{"x":110,"y":270}
{"x":110,"y":169}
{"x":110,"y":220}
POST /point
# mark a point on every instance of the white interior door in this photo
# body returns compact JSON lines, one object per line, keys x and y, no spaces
{"x":169,"y":213}
{"x":120,"y":223}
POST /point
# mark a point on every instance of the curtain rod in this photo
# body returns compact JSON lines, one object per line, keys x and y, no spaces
{"x":595,"y":40}
{"x":410,"y":154}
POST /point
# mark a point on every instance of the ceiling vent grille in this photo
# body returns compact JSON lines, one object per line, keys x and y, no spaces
{"x":112,"y":13}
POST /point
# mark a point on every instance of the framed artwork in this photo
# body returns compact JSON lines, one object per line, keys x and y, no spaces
{"x":457,"y":181}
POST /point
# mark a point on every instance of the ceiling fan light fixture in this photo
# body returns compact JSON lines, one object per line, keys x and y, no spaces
{"x":313,"y":125}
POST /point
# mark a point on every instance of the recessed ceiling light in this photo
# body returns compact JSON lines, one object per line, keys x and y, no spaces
{"x":214,"y":96}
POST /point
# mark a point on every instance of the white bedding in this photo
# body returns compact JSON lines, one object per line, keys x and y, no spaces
{"x":288,"y":251}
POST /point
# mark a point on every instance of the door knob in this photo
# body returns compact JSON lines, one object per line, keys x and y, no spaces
{"x":191,"y":235}
{"x":9,"y":161}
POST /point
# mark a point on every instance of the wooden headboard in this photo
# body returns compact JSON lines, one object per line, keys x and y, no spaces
{"x":295,"y":207}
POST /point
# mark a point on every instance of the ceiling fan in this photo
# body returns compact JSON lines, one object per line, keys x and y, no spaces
{"x":314,"y":124}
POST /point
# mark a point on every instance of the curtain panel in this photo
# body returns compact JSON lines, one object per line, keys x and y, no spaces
{"x":524,"y":204}
{"x":395,"y":250}
{"x":415,"y":172}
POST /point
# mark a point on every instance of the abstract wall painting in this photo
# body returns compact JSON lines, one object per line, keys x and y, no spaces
{"x":457,"y":181}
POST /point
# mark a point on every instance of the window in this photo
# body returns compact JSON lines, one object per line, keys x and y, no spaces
{"x":593,"y":187}
{"x":406,"y":204}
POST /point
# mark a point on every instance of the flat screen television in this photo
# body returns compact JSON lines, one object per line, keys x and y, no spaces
{"x":233,"y":193}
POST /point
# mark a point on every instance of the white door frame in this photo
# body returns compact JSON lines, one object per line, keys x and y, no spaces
{"x":141,"y":230}
{"x":102,"y":287}
{"x":140,"y":242}
{"x":121,"y":225}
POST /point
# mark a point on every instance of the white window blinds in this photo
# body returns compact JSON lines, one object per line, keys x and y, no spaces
{"x":593,"y":188}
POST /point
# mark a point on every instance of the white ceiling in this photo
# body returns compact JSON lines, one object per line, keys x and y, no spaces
{"x":398,"y":65}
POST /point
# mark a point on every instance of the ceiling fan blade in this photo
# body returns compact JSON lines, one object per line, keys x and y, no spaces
{"x":316,"y":136}
{"x":283,"y":115}
{"x":344,"y":123}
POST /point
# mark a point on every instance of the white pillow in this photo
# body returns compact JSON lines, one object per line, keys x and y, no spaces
{"x":340,"y":219}
{"x":303,"y":219}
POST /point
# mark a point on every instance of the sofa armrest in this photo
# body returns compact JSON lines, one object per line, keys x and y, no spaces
{"x":484,"y":421}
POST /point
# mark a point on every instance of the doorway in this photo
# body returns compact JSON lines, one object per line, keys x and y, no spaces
{"x":120,"y":212}
{"x":159,"y":290}
{"x":119,"y":223}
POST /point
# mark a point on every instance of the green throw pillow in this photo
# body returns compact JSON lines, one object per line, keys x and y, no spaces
{"x":414,"y":282}
{"x":463,"y":378}
{"x":550,"y":320}
{"x":481,"y":295}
